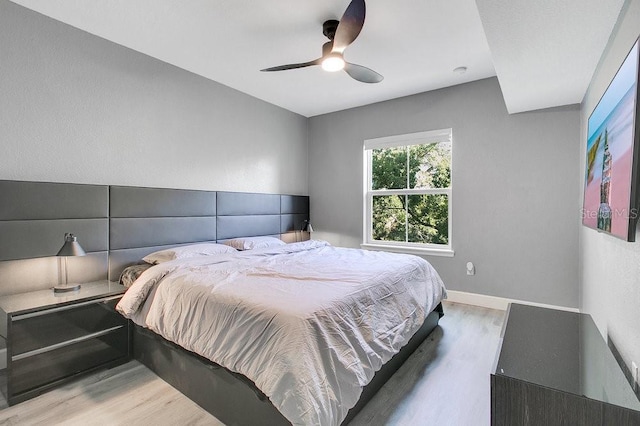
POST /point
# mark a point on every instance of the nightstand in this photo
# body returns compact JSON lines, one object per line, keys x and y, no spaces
{"x":53,"y":338}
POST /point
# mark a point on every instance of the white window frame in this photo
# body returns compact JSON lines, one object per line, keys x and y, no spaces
{"x":433,"y":136}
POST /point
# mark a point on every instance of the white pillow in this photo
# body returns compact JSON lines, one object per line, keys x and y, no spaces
{"x":182,"y":252}
{"x":250,"y":243}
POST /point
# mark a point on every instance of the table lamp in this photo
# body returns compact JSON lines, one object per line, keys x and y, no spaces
{"x":307,"y":226}
{"x":71,"y":247}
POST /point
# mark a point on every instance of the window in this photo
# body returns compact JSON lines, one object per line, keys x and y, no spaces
{"x":407,"y":203}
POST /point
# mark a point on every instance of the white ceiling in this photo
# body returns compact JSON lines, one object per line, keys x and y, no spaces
{"x":544,"y":51}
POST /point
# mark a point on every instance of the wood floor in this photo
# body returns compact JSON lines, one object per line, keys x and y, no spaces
{"x":445,"y":382}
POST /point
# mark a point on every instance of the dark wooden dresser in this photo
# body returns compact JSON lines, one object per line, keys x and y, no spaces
{"x":554,"y":368}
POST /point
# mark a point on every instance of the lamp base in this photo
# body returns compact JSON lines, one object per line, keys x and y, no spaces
{"x":66,"y":288}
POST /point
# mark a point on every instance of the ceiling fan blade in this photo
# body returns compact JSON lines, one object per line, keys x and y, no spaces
{"x":294,"y":66}
{"x":350,"y":25}
{"x":363,"y":74}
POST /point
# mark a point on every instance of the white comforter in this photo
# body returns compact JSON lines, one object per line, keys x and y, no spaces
{"x":308,"y":323}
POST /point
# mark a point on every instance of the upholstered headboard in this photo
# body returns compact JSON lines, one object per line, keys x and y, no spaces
{"x":34,"y":217}
{"x":144,"y":220}
{"x":118,"y":225}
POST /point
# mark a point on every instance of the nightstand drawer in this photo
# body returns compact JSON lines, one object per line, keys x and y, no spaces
{"x":48,"y":367}
{"x":35,"y":331}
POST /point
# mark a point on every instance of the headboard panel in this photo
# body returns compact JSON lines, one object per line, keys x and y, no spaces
{"x":248,"y":226}
{"x":247,"y":204}
{"x":26,"y":239}
{"x":131,"y":201}
{"x":245,"y":214}
{"x":144,"y":220}
{"x":157,"y":231}
{"x":170,"y":217}
{"x":34,"y":216}
{"x":295,"y":210}
{"x":119,"y":225}
{"x":44,"y":200}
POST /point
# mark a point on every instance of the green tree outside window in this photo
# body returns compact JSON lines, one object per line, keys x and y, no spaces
{"x":412,"y":216}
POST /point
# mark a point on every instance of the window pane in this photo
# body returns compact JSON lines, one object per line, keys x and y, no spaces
{"x":430,"y":165}
{"x":389,"y":218}
{"x":389,"y":168}
{"x":428,"y":219}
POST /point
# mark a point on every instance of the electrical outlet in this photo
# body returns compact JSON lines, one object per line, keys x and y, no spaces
{"x":471,"y":269}
{"x":634,"y":372}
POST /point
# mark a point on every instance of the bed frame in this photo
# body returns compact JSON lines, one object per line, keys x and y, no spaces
{"x":231,"y":397}
{"x":119,"y":225}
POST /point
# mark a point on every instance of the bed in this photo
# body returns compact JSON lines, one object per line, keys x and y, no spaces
{"x":307,"y":323}
{"x":120,"y":225}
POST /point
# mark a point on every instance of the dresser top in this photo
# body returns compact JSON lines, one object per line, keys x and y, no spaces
{"x":46,"y":299}
{"x":563,"y":351}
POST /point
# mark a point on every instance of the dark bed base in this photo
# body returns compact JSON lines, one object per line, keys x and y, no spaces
{"x":231,"y":397}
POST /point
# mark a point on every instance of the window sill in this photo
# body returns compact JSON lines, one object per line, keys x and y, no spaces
{"x":409,"y":250}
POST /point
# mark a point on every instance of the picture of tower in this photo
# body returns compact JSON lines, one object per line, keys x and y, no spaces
{"x":604,"y":211}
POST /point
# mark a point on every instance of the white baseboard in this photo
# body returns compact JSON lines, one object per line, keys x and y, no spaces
{"x":493,"y":302}
{"x":3,"y":358}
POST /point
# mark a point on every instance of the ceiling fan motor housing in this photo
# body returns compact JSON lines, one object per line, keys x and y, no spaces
{"x":329,"y":28}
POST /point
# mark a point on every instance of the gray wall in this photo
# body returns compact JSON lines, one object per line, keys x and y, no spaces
{"x":515,"y":186}
{"x":77,"y":108}
{"x":610,"y":268}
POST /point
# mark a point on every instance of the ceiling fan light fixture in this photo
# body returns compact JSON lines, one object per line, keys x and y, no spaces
{"x":333,"y":62}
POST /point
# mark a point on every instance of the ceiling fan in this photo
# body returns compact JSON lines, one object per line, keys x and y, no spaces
{"x":341,"y":34}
